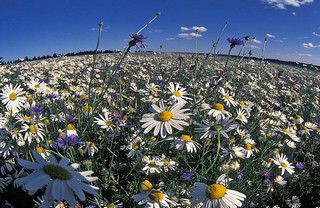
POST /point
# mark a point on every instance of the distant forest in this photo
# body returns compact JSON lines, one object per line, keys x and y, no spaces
{"x":91,"y":52}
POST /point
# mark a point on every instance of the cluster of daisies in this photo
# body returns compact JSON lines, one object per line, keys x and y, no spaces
{"x":153,"y":133}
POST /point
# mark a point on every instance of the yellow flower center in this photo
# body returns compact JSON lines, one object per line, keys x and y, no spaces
{"x":276,"y":149}
{"x":87,"y":108}
{"x":83,"y":96}
{"x":164,"y":116}
{"x":216,"y":191}
{"x":110,"y":206}
{"x":248,"y":146}
{"x":32,"y":128}
{"x":46,"y":122}
{"x":269,"y":160}
{"x":152,"y":165}
{"x":166,"y":162}
{"x":135,"y":147}
{"x":241,"y":103}
{"x":15,"y":132}
{"x":107,"y":122}
{"x":90,"y":144}
{"x":30,"y":99}
{"x":227,"y":97}
{"x":57,"y":172}
{"x":13,"y":96}
{"x":40,"y":150}
{"x":177,"y":93}
{"x":240,"y":117}
{"x":156,"y":195}
{"x":37,"y":85}
{"x":146,"y":186}
{"x":185,"y":138}
{"x":284,"y":165}
{"x":298,"y":117}
{"x":153,"y":139}
{"x":286,"y":131}
{"x":26,"y":118}
{"x":70,"y":127}
{"x":218,"y":106}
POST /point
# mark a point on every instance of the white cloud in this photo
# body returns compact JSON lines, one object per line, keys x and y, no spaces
{"x":188,"y":35}
{"x":281,"y":4}
{"x":293,"y":13}
{"x":194,"y":28}
{"x":316,"y":34}
{"x":252,"y":46}
{"x":270,"y":35}
{"x":184,"y":29}
{"x":155,"y":31}
{"x":280,"y":41}
{"x":310,"y":45}
{"x":305,"y":54}
{"x":169,"y":39}
{"x":256,"y":41}
{"x":200,"y":29}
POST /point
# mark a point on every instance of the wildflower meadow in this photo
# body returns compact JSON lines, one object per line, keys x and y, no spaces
{"x":159,"y":129}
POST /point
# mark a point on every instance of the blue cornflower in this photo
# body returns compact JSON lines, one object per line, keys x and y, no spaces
{"x":51,"y":96}
{"x":65,"y":141}
{"x":234,"y":42}
{"x":36,"y":110}
{"x":185,"y":174}
{"x":71,"y":118}
{"x":137,"y":40}
{"x":299,"y":165}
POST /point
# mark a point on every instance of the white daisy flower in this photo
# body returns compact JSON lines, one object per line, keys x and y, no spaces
{"x":104,"y":121}
{"x":89,"y":147}
{"x":12,"y":97}
{"x":280,"y":180}
{"x":242,"y":116}
{"x":162,"y":119}
{"x":178,"y":93}
{"x":154,"y":198}
{"x":33,"y":131}
{"x":282,"y":161}
{"x":216,"y":110}
{"x":152,"y":165}
{"x":209,"y":129}
{"x":185,"y":142}
{"x":227,"y":97}
{"x":61,"y":180}
{"x":216,"y":195}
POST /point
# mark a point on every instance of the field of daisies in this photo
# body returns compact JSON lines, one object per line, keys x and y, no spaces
{"x":159,"y":130}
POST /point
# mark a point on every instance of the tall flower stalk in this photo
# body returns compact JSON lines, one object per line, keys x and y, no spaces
{"x":233,"y":43}
{"x":215,"y":45}
{"x":135,"y":39}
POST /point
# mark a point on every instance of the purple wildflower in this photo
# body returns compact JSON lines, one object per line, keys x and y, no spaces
{"x":137,"y":40}
{"x":299,"y":165}
{"x":265,"y":174}
{"x":234,"y":42}
{"x":185,"y":174}
{"x":91,"y":206}
{"x":51,"y":96}
{"x":71,"y":118}
{"x":240,"y":176}
{"x":36,"y":110}
{"x":67,"y":141}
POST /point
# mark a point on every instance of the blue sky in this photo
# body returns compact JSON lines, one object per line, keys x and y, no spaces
{"x":40,"y":27}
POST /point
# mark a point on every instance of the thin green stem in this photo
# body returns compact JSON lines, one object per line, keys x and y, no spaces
{"x":218,"y":150}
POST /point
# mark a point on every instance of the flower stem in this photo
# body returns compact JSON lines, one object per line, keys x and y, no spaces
{"x":218,"y":150}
